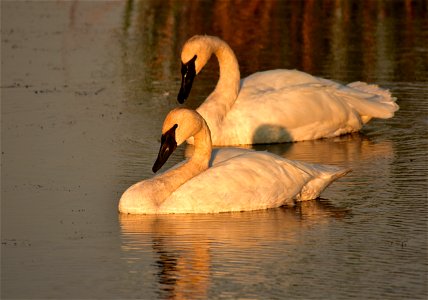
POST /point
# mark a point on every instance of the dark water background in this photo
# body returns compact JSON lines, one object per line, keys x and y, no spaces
{"x":85,"y":86}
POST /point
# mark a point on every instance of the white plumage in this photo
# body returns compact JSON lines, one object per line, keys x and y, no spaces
{"x":280,"y":105}
{"x":234,"y":179}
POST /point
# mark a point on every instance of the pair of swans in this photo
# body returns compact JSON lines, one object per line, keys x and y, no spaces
{"x":266,"y":107}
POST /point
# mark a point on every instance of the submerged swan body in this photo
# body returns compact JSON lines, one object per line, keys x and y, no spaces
{"x":279,"y":105}
{"x":234,"y":180}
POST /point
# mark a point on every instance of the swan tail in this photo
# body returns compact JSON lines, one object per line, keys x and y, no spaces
{"x":371,"y":101}
{"x":327,"y":174}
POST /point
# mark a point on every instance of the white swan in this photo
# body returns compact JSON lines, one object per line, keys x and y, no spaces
{"x":237,"y":180}
{"x":278,"y":105}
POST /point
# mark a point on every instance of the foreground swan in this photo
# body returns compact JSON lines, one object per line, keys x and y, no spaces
{"x":278,"y":105}
{"x":237,"y":180}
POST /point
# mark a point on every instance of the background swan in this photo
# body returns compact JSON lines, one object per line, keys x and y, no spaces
{"x":237,"y":180}
{"x":278,"y":105}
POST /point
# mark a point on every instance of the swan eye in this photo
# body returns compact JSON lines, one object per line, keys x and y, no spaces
{"x":188,"y":67}
{"x":169,"y":134}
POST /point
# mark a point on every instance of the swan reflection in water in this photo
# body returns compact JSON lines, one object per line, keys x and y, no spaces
{"x":191,"y":249}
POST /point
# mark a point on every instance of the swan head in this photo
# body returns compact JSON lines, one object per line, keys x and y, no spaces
{"x":201,"y":46}
{"x":179,"y":125}
{"x":194,"y":56}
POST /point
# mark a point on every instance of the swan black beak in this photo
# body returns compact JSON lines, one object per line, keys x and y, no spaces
{"x":168,"y":145}
{"x":188,"y":73}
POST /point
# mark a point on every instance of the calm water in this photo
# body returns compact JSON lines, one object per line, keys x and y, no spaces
{"x":85,"y":87}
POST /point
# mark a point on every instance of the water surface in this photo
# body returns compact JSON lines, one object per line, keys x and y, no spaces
{"x":85,"y":87}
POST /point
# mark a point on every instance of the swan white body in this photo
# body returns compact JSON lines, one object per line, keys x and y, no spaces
{"x":234,"y":180}
{"x":280,"y":105}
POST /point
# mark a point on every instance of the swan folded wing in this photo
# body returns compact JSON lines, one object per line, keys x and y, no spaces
{"x":277,"y":79}
{"x":370,"y":100}
{"x":317,"y":177}
{"x":321,"y":177}
{"x":309,"y":108}
{"x":249,"y":181}
{"x":301,"y":112}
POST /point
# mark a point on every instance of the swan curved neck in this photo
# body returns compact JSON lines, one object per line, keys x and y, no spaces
{"x":203,"y":148}
{"x":228,"y":83}
{"x":226,"y":91}
{"x":171,"y":180}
